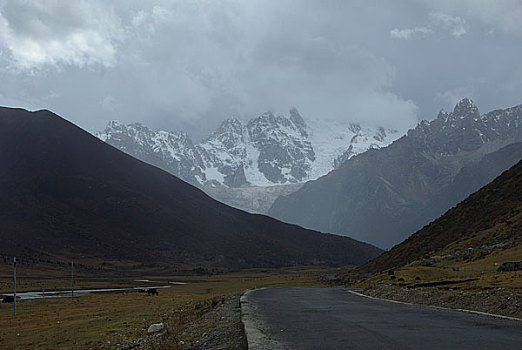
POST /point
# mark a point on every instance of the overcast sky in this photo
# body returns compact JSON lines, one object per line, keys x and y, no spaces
{"x":190,"y":64}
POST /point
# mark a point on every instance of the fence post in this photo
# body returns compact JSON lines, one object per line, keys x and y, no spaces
{"x":14,"y":265}
{"x":72,"y":279}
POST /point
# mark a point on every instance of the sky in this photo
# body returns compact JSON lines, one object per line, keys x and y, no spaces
{"x":191,"y":64}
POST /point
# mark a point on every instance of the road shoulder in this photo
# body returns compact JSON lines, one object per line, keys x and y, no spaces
{"x":255,"y":330}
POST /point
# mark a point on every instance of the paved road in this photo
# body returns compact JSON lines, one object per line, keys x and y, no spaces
{"x":333,"y":318}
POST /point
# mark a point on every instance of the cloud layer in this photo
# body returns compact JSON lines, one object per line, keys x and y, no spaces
{"x":58,"y":32}
{"x":190,"y":64}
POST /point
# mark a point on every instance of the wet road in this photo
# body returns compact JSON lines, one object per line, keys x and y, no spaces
{"x":333,"y":318}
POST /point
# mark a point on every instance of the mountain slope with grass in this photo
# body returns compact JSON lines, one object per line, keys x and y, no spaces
{"x":466,"y":259}
{"x":489,"y":218}
{"x":66,"y":194}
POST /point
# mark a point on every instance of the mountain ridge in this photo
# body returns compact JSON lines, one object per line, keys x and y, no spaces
{"x":398,"y":182}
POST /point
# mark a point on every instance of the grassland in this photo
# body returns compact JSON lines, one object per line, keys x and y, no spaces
{"x":110,"y":320}
{"x":467,"y":280}
{"x":439,"y":268}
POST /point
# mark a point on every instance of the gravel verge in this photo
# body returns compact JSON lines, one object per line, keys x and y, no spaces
{"x":209,"y":324}
{"x":499,"y":301}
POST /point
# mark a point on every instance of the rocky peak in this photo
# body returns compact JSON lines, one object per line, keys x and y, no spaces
{"x":298,"y":121}
{"x":233,"y":125}
{"x":172,"y":151}
{"x":285,"y":154}
{"x":230,"y":133}
{"x":465,"y":109}
{"x":113,"y":127}
{"x":355,"y":127}
{"x":443,"y":115}
{"x":166,"y":137}
{"x":464,"y":129}
{"x":114,"y":124}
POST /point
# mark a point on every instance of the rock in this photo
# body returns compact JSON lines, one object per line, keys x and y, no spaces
{"x":155,"y":327}
{"x":510,"y":266}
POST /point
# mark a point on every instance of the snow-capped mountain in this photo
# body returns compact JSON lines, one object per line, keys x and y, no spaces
{"x":271,"y":149}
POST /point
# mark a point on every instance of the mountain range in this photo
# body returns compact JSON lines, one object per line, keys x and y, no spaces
{"x":65,"y":194}
{"x":384,"y":195}
{"x":270,"y":150}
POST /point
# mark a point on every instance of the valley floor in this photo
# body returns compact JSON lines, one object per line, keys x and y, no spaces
{"x":202,"y":314}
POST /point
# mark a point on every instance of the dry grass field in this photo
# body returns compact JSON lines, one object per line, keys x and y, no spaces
{"x":483,"y":271}
{"x":108,"y":320}
{"x":467,"y":281}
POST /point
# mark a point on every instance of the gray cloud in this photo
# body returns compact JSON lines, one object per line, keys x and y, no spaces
{"x":438,"y":21}
{"x":58,"y":32}
{"x":190,"y":64}
{"x":409,"y":33}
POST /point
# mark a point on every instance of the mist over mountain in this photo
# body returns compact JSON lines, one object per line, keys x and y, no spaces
{"x":383,"y":196}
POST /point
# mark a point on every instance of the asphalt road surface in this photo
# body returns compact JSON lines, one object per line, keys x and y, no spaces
{"x":333,"y":318}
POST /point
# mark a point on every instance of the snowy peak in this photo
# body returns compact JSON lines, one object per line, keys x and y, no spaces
{"x":285,"y":154}
{"x":228,"y":130}
{"x":224,"y":154}
{"x":269,"y":149}
{"x":364,"y":140}
{"x":169,"y":150}
{"x":336,"y":141}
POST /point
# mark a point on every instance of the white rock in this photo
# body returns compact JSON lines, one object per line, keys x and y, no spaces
{"x":155,"y":327}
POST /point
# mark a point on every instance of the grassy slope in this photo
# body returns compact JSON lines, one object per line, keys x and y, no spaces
{"x":453,"y":261}
{"x":490,"y":217}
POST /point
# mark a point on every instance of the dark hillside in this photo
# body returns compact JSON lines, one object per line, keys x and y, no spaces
{"x":64,"y":193}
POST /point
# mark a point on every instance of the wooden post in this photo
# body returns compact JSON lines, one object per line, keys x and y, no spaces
{"x":14,"y":265}
{"x":72,"y":279}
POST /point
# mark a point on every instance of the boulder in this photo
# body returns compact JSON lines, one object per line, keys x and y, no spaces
{"x":155,"y":327}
